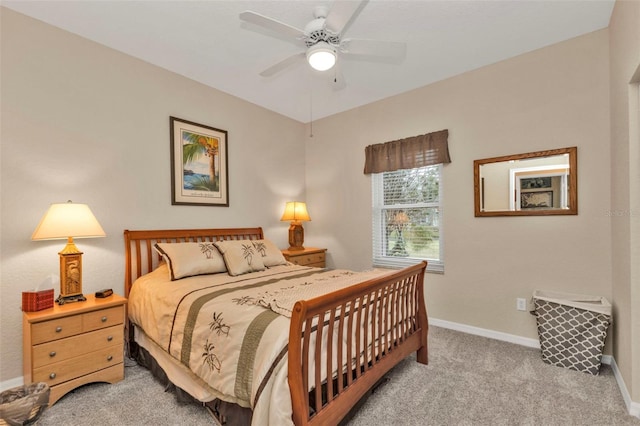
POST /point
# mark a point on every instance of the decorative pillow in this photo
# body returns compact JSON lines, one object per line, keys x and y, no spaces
{"x":189,"y":259}
{"x":240,"y":256}
{"x":271,"y":255}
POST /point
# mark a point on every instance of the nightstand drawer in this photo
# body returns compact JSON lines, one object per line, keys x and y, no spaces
{"x":109,"y":375}
{"x":308,"y":259}
{"x":308,"y":256}
{"x":59,"y":328}
{"x":55,"y":329}
{"x":63,"y":349}
{"x":72,"y":368}
{"x":103,"y":318}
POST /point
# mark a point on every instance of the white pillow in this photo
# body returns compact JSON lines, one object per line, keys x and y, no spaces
{"x":189,"y":259}
{"x":240,"y":256}
{"x":271,"y":255}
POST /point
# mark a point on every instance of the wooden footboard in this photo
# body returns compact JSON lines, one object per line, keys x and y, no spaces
{"x":379,"y":323}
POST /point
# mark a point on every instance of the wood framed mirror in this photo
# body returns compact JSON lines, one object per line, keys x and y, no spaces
{"x":538,"y":183}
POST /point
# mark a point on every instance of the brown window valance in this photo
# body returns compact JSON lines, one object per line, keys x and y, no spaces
{"x":408,"y":153}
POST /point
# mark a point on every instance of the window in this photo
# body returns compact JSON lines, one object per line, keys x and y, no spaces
{"x":406,"y":199}
{"x":407,"y":217}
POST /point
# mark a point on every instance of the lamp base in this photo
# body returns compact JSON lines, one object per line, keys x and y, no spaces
{"x":61,"y":300}
{"x":296,"y":236}
{"x":70,"y":274}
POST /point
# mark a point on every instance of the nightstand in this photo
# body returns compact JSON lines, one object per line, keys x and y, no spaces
{"x":308,"y":256}
{"x":70,"y":345}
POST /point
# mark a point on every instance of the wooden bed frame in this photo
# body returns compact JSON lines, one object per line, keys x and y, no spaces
{"x":389,"y":322}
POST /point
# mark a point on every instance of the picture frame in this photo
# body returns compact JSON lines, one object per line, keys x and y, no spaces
{"x":536,"y":200}
{"x":535,"y":182}
{"x":199,"y":164}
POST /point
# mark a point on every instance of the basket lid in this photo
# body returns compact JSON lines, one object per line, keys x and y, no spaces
{"x":581,"y":301}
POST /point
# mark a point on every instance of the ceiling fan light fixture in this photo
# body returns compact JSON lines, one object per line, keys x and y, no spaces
{"x":321,"y":56}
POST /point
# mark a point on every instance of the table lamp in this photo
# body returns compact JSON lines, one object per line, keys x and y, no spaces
{"x":69,"y":220}
{"x":296,"y":212}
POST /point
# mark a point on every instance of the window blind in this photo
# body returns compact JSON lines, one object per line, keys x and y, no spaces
{"x":406,"y":217}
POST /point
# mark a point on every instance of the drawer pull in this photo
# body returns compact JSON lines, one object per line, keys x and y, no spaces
{"x":52,"y":376}
{"x":52,"y":354}
{"x":58,"y":329}
{"x":109,"y":358}
{"x":103,"y":319}
{"x":109,"y":338}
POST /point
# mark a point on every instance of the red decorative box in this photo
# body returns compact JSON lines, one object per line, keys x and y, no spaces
{"x":37,"y":300}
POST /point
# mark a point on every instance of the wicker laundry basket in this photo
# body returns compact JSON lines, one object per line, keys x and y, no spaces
{"x":23,"y":405}
{"x":572,"y":329}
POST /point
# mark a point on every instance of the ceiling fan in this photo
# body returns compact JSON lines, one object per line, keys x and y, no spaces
{"x":324,"y":40}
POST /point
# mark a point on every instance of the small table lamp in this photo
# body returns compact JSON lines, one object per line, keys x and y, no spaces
{"x":296,"y":212}
{"x":69,"y":220}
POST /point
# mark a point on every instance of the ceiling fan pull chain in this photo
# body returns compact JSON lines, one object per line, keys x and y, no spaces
{"x":311,"y":112}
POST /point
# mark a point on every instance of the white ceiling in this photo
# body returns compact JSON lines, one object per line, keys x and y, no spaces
{"x":207,"y":42}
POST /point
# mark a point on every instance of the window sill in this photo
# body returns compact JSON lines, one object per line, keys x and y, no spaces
{"x":433,"y":266}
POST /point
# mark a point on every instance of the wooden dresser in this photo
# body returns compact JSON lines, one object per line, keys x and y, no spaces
{"x":308,"y":256}
{"x":73,"y":344}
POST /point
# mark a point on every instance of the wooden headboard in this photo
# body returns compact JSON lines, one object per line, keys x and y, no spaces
{"x":141,"y":258}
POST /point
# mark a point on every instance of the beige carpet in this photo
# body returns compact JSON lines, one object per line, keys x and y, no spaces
{"x":473,"y":380}
{"x":470,"y":380}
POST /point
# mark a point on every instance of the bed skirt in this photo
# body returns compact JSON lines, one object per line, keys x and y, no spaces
{"x":226,"y":413}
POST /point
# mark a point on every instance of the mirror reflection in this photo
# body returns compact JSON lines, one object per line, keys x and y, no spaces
{"x":535,"y":183}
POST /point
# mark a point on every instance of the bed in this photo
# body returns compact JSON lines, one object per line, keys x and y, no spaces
{"x":286,"y":344}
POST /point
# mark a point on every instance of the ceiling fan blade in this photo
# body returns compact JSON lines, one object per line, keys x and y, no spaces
{"x":376,"y":48}
{"x":342,"y":14}
{"x":274,"y":69}
{"x":271,"y":24}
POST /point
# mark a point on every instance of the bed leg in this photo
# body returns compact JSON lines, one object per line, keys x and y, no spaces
{"x":130,"y":343}
{"x":423,"y":351}
{"x":423,"y":355}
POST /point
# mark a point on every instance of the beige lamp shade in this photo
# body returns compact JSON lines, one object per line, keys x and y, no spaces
{"x":69,"y":220}
{"x":295,"y":211}
{"x":64,"y":220}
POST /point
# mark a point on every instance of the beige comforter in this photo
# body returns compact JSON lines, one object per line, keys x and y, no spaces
{"x":232,"y":332}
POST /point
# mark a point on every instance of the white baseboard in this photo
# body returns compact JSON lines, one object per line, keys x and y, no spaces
{"x":12,"y":383}
{"x":633,"y":408}
{"x":511,"y":338}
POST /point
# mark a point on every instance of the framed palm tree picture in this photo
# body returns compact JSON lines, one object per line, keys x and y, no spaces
{"x":199,"y":162}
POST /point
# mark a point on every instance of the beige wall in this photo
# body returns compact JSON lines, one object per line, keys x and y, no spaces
{"x":84,"y":122}
{"x":624,"y":31}
{"x":550,"y":98}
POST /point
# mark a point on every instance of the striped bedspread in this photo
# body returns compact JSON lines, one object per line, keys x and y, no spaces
{"x":232,"y":332}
